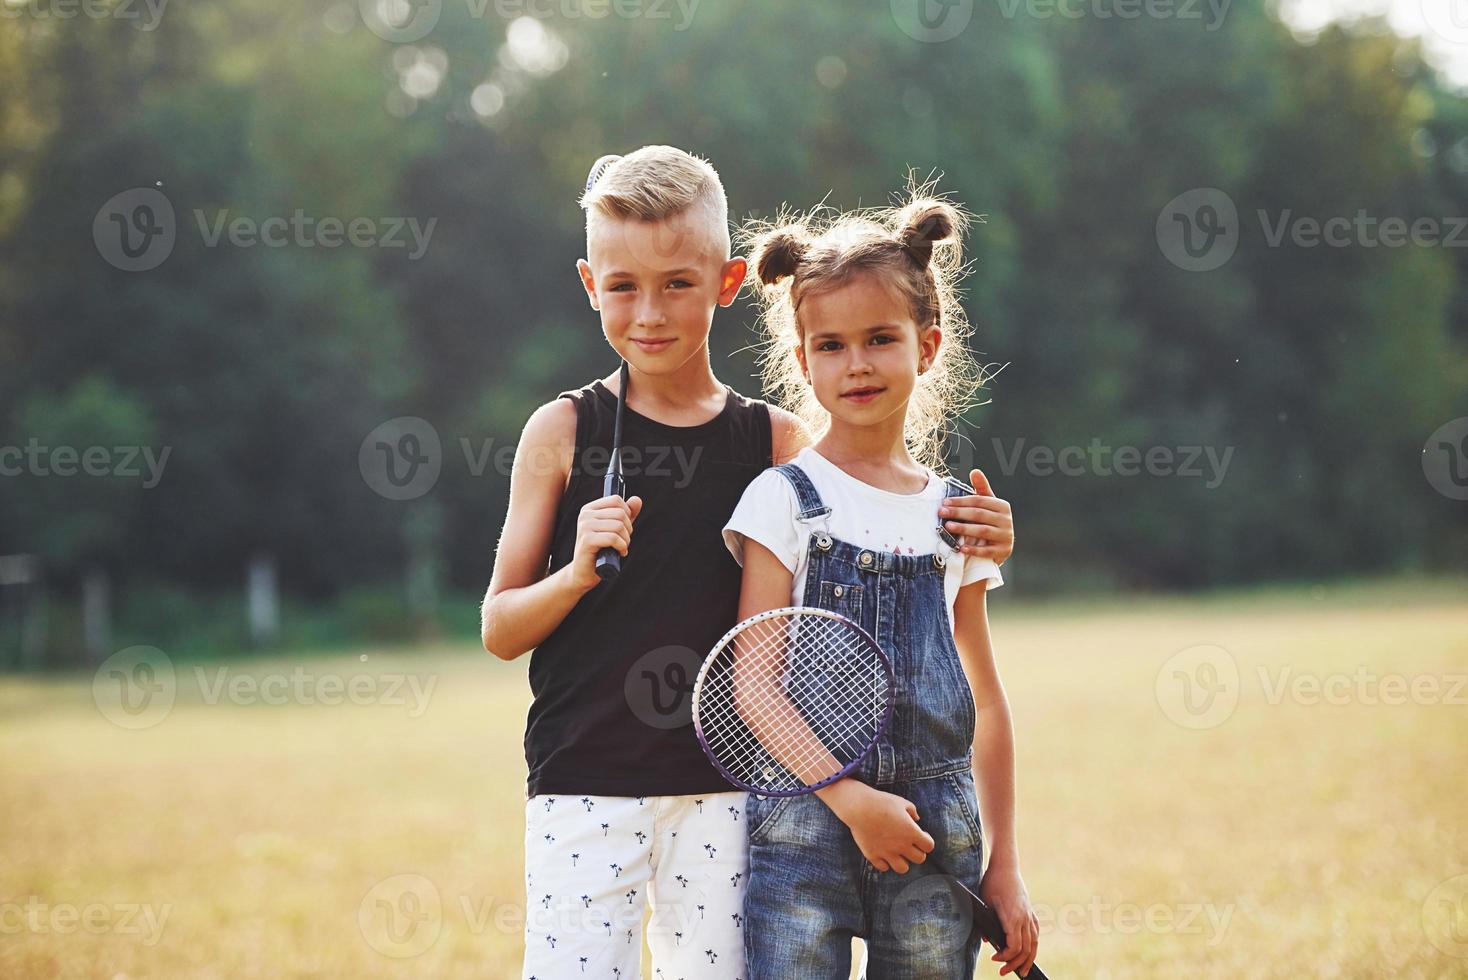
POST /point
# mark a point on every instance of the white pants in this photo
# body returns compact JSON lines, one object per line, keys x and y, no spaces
{"x":593,"y":863}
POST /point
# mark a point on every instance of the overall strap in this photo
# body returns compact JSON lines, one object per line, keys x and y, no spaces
{"x":953,"y":488}
{"x":811,"y":505}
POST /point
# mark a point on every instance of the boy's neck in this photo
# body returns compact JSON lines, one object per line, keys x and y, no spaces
{"x":688,"y":396}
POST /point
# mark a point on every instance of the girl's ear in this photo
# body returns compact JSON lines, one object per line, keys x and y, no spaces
{"x":928,"y":346}
{"x":731,"y":278}
{"x":588,"y":282}
{"x":800,"y":356}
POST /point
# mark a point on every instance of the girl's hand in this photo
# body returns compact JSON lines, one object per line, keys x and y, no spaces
{"x":1005,"y":893}
{"x":884,"y":825}
{"x":603,"y":523}
{"x":983,"y":523}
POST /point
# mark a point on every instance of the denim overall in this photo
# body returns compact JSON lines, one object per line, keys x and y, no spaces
{"x":810,"y":890}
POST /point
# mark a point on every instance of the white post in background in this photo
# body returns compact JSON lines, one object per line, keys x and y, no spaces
{"x":96,"y":614}
{"x":263,"y":600}
{"x":424,"y":571}
{"x":22,"y":611}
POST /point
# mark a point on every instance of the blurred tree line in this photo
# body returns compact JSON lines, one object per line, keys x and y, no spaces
{"x":262,"y":369}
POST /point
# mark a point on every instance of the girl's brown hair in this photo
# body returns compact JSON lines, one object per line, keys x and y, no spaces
{"x":913,"y":249}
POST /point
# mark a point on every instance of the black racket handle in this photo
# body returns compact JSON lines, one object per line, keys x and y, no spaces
{"x":609,"y":560}
{"x":986,"y":921}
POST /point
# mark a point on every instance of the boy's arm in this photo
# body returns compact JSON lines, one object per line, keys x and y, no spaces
{"x":788,"y":436}
{"x":1002,"y":886}
{"x":523,"y":605}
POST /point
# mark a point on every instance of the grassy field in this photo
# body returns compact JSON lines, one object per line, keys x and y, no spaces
{"x":1268,"y":783}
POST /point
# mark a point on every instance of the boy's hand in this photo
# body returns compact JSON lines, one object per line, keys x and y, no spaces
{"x":883,"y":825}
{"x":603,"y":523}
{"x":1005,"y":893}
{"x":983,"y":523}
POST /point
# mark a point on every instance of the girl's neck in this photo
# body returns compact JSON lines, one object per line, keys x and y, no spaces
{"x":876,"y":455}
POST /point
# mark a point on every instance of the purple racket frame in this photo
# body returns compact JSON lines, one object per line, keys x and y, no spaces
{"x":718,"y":648}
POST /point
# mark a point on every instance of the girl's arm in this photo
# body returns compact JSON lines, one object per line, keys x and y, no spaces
{"x":883,"y":825}
{"x":1002,"y":886}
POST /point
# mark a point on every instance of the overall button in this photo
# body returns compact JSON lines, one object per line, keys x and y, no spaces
{"x":823,"y":541}
{"x":865,"y":559}
{"x":939,"y":561}
{"x":838,"y":591}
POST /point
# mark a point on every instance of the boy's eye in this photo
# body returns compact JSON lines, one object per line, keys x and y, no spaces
{"x":681,"y":283}
{"x":620,"y":287}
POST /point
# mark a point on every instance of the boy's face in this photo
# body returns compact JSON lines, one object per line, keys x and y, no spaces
{"x":862,"y":350}
{"x":656,"y":284}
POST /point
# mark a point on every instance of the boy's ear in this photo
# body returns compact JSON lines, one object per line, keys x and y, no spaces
{"x":588,"y":282}
{"x":731,"y":277}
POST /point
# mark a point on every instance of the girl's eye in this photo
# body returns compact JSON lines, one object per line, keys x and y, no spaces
{"x":828,"y":345}
{"x":883,"y":338}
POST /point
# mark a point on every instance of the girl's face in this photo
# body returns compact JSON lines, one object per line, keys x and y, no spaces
{"x":862,"y":351}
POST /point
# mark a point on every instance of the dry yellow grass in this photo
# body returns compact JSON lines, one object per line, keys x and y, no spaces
{"x":1286,"y":838}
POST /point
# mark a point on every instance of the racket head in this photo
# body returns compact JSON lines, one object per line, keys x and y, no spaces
{"x":830,"y":671}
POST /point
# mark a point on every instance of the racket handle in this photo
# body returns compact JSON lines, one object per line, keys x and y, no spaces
{"x":608,"y":564}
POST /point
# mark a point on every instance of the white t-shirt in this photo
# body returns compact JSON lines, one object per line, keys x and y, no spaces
{"x":864,"y":515}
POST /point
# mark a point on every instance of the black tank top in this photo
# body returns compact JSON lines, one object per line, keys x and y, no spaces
{"x":611,"y":714}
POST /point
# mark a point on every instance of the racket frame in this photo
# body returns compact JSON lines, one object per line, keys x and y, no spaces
{"x":751,"y":621}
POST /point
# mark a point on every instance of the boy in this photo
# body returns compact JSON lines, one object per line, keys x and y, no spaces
{"x":622,"y":807}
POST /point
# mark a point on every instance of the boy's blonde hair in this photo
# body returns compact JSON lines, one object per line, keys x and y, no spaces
{"x":913,"y":250}
{"x":655,"y":183}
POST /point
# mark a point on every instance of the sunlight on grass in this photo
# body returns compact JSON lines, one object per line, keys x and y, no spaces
{"x":236,"y":839}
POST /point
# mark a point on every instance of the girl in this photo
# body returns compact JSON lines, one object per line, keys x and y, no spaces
{"x":866,"y":343}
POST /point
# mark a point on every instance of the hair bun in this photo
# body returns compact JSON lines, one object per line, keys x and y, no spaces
{"x":779,"y":253}
{"x":925,"y":223}
{"x":600,"y":167}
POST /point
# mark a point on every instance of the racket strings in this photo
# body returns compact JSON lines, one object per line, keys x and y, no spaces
{"x":792,"y":700}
